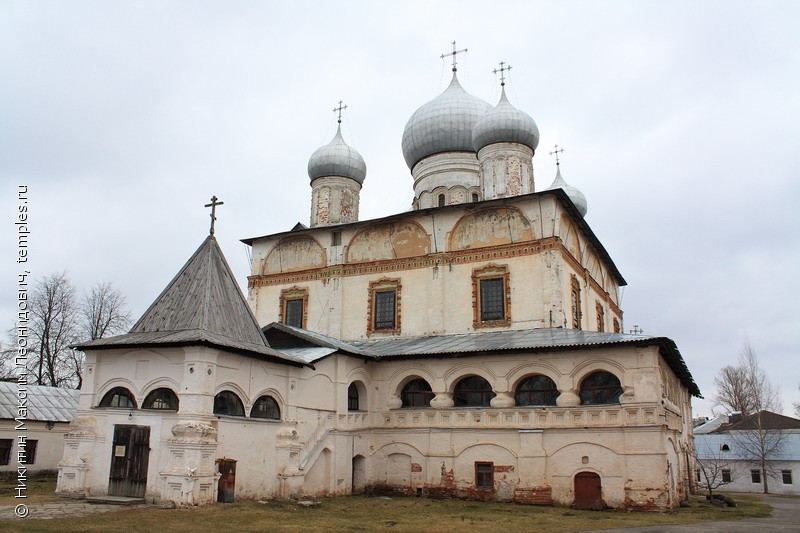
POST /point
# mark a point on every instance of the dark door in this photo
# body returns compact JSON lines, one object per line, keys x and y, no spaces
{"x":130,"y":453}
{"x":227,"y":480}
{"x":588,"y":491}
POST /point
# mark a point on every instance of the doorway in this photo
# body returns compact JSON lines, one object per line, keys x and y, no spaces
{"x":130,"y":454}
{"x":359,"y":474}
{"x":588,"y":491}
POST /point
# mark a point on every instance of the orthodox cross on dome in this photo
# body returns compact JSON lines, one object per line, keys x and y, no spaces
{"x":555,"y":152}
{"x":213,"y":205}
{"x":453,"y":53}
{"x":502,"y":70}
{"x":338,"y":109}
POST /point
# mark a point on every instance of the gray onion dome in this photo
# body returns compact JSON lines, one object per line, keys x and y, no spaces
{"x":574,"y":194}
{"x":505,"y":123}
{"x":443,"y":125}
{"x":337,"y":159}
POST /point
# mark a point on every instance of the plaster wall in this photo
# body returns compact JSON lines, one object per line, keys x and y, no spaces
{"x":49,"y":447}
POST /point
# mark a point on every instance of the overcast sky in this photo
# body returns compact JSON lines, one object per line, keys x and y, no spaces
{"x":679,"y":121}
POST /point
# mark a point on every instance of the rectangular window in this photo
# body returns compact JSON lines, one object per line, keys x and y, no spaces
{"x":755,"y":476}
{"x":385,"y":309}
{"x":336,"y":238}
{"x":698,"y":475}
{"x":30,"y":451}
{"x":5,"y":451}
{"x":787,"y":477}
{"x":484,"y":475}
{"x":617,"y":327}
{"x":726,"y":475}
{"x":493,"y":299}
{"x":294,"y":313}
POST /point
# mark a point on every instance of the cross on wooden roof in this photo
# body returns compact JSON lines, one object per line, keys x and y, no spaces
{"x":338,"y":109}
{"x":453,"y":53}
{"x":502,"y":70}
{"x":555,"y":152}
{"x":213,"y":205}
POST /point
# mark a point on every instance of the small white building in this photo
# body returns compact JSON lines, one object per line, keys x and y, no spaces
{"x":48,"y":412}
{"x":731,"y":444}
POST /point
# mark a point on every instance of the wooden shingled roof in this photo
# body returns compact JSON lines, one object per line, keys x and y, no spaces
{"x":201,"y":305}
{"x":204,"y":295}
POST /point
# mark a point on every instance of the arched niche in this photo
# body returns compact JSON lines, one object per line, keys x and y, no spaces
{"x":490,"y":227}
{"x":295,"y":253}
{"x":390,"y":240}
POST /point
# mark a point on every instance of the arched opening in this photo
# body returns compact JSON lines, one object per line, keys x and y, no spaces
{"x":600,"y":388}
{"x":441,"y":199}
{"x":228,"y":403}
{"x":353,"y":398}
{"x":163,"y":399}
{"x":588,"y":491}
{"x":417,"y":393}
{"x":536,"y":390}
{"x":473,"y":391}
{"x":119,"y":397}
{"x":266,"y":407}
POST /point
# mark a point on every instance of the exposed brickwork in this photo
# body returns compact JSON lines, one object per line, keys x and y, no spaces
{"x":534,"y":496}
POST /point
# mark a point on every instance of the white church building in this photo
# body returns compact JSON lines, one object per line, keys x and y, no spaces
{"x":470,"y":347}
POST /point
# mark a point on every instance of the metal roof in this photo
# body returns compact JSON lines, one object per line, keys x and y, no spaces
{"x":490,"y":343}
{"x":45,"y":404}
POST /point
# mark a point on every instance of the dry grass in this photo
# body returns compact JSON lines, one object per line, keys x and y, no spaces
{"x":353,"y":514}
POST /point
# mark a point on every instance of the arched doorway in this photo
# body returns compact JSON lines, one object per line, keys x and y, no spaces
{"x":588,"y":491}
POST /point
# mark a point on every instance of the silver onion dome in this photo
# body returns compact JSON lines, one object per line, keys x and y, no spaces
{"x":574,"y":194}
{"x":337,"y":158}
{"x":505,"y":123}
{"x":443,"y":125}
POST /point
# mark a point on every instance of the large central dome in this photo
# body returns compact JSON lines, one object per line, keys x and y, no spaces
{"x":443,"y":125}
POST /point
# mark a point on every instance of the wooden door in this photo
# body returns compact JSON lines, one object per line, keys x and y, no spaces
{"x":588,"y":491}
{"x":130,"y":454}
{"x":227,"y":480}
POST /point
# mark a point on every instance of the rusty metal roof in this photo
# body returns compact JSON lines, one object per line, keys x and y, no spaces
{"x":45,"y":404}
{"x":201,"y":305}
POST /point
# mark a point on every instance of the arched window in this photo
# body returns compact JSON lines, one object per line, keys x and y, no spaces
{"x":537,"y":390}
{"x":266,"y":407}
{"x":417,"y":393}
{"x":227,"y":403}
{"x":473,"y":391}
{"x":119,"y":397}
{"x":599,"y":388}
{"x":161,"y":399}
{"x":441,"y":200}
{"x":352,"y":397}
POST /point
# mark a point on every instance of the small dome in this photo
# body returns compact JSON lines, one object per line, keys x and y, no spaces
{"x":443,"y":125}
{"x":505,"y":123}
{"x":574,"y":194}
{"x":337,"y":159}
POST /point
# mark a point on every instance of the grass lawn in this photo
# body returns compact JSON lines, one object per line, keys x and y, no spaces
{"x":362,"y":513}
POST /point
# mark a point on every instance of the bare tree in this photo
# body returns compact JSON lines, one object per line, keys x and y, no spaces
{"x":745,"y":388}
{"x":797,"y":406}
{"x":760,"y":438}
{"x":103,"y":312}
{"x":53,"y":327}
{"x":57,"y":321}
{"x":714,"y":470}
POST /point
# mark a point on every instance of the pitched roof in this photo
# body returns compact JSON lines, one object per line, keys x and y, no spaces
{"x":768,"y":421}
{"x":45,"y":404}
{"x":201,"y":305}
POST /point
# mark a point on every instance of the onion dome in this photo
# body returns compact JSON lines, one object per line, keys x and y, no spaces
{"x":337,"y":159}
{"x":574,"y":194}
{"x":505,"y":123}
{"x":443,"y":125}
